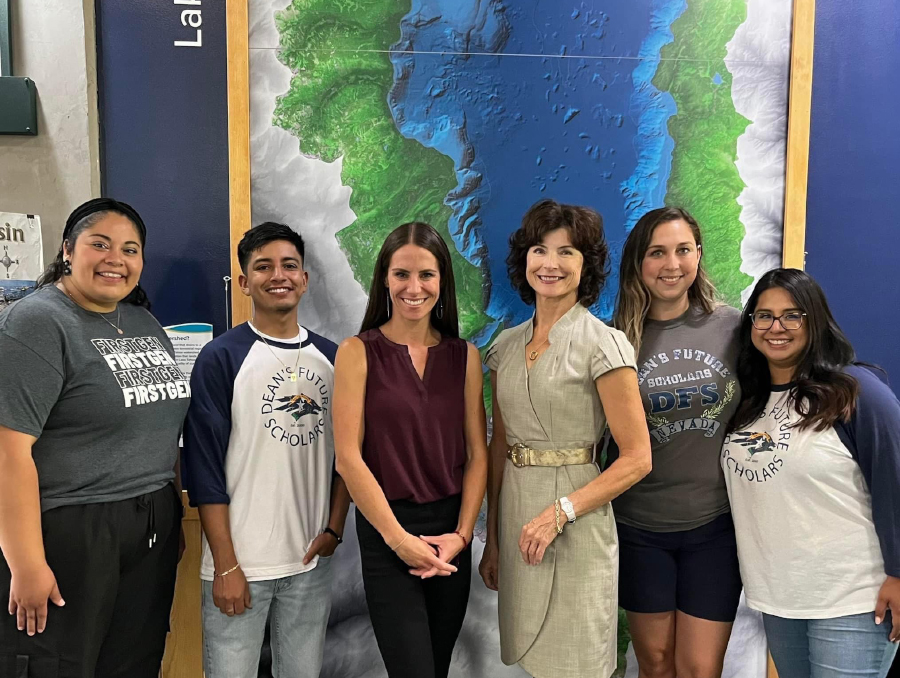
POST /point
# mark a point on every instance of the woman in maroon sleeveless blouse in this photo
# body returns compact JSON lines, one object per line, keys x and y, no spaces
{"x":411,"y":446}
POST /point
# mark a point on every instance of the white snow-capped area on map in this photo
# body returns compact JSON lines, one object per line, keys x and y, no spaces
{"x":758,"y":59}
{"x":305,"y":193}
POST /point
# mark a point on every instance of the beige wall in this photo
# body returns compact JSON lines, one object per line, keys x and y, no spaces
{"x":58,"y":169}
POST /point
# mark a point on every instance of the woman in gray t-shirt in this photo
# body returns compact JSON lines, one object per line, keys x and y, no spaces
{"x":677,"y":551}
{"x":90,"y":412}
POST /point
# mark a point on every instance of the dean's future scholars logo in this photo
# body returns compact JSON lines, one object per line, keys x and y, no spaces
{"x":688,"y":388}
{"x":754,"y":442}
{"x":753,"y":456}
{"x":308,"y":413}
{"x":670,"y":402}
{"x":298,"y":406}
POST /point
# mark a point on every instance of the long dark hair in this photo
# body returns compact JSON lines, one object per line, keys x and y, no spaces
{"x":424,"y":236}
{"x":633,"y":302}
{"x":822,"y":393}
{"x":84,"y":217}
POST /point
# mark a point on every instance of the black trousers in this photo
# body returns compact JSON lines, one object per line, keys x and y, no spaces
{"x":416,"y":621}
{"x":118,"y":591}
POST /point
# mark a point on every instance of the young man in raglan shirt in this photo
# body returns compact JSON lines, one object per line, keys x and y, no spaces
{"x":259,"y":458}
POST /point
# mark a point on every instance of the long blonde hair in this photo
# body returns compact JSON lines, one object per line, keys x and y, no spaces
{"x":634,"y":299}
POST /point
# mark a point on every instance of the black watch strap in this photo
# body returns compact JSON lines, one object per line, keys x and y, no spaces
{"x":334,"y":534}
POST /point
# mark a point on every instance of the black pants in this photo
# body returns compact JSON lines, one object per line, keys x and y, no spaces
{"x":416,"y":621}
{"x":118,"y":591}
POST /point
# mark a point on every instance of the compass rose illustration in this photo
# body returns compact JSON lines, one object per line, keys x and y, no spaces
{"x":7,"y":261}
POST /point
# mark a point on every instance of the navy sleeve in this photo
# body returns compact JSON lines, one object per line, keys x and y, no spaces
{"x":207,"y":428}
{"x":326,"y":347}
{"x":874,"y":432}
{"x":329,"y":349}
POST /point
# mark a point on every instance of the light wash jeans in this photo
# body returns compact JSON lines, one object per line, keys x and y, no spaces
{"x":841,"y":647}
{"x":299,"y":607}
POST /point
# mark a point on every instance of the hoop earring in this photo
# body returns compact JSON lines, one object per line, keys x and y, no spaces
{"x":67,"y":267}
{"x":440,"y":309}
{"x":389,"y":306}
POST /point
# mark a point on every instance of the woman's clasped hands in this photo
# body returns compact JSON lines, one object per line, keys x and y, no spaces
{"x":430,"y":556}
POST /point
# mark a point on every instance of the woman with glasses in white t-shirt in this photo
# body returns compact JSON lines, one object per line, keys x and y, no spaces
{"x":812,"y":466}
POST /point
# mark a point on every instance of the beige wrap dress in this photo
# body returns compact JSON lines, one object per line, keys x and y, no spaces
{"x":557,"y":619}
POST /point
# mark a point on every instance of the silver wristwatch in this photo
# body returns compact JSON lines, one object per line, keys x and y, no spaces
{"x":567,"y":508}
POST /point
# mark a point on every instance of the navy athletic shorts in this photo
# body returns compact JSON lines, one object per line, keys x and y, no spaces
{"x":695,"y":571}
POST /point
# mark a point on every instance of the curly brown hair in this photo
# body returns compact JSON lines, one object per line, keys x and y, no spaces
{"x":585,"y":227}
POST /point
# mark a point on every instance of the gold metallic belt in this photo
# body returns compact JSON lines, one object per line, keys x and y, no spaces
{"x":520,"y":456}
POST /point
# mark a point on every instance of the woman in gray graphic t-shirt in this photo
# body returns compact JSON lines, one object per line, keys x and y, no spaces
{"x":90,"y":412}
{"x":677,"y":551}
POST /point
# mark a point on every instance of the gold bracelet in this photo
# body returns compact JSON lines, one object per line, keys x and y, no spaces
{"x":394,"y":548}
{"x":556,"y":506}
{"x":222,"y":574}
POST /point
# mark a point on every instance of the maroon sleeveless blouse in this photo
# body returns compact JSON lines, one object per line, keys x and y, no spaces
{"x":414,"y":441}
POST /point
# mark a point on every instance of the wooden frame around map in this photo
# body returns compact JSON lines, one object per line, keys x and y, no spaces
{"x":793,"y":252}
{"x":184,"y":657}
{"x":796,"y":165}
{"x":238,"y":50}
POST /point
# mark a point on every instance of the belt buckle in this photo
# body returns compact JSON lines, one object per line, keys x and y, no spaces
{"x":517,"y":455}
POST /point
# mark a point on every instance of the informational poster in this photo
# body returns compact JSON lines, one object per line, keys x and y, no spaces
{"x":21,"y":253}
{"x":187,"y":340}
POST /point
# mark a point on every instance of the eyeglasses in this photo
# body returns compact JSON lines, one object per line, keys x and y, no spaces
{"x":763,"y":320}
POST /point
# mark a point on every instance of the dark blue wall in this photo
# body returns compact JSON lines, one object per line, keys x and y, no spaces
{"x":164,"y":127}
{"x":853,"y":224}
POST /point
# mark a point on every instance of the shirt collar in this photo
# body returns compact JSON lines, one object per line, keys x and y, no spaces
{"x":560,"y":326}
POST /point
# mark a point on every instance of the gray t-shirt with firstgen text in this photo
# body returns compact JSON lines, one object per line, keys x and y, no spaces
{"x":106,"y":408}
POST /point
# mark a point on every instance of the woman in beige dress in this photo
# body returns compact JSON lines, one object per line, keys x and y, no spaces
{"x":558,"y":380}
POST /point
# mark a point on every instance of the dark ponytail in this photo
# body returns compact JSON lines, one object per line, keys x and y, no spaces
{"x":54,"y":272}
{"x":138,"y":297}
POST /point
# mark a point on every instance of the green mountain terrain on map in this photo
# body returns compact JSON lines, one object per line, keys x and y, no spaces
{"x":337,"y":106}
{"x":704,"y":179}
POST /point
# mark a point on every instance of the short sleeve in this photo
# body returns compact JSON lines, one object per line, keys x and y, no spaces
{"x":495,"y":352}
{"x":612,"y":352}
{"x":32,"y":384}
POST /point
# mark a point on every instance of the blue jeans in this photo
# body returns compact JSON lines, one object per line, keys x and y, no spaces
{"x":299,"y":606}
{"x":830,"y":648}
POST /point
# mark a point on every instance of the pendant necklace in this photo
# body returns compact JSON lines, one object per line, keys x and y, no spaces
{"x":115,"y":326}
{"x":118,"y":320}
{"x":287,"y":369}
{"x":533,"y":354}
